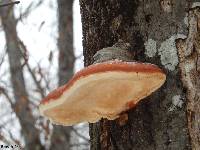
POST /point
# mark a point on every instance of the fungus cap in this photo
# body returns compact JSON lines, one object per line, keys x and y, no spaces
{"x":102,"y":90}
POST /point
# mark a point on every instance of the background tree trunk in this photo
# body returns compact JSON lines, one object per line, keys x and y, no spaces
{"x":61,"y":135}
{"x":21,"y":105}
{"x":165,"y":33}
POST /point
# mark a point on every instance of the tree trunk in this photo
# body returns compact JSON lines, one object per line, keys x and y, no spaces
{"x":21,"y":105}
{"x":61,"y":135}
{"x":165,"y":33}
{"x":65,"y":40}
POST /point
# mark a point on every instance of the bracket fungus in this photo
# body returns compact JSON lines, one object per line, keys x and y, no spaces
{"x":101,"y":90}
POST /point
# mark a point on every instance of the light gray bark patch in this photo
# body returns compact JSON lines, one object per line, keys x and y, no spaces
{"x":195,"y":4}
{"x":177,"y":102}
{"x":150,"y":48}
{"x":186,"y":19}
{"x":168,"y":53}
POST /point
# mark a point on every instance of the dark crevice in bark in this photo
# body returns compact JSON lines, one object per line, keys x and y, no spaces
{"x":95,"y":136}
{"x":113,"y":142}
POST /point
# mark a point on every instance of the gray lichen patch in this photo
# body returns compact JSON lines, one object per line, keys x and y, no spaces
{"x":150,"y":48}
{"x":189,"y":67}
{"x":195,"y":4}
{"x":186,"y":19}
{"x":177,"y":102}
{"x":168,"y":53}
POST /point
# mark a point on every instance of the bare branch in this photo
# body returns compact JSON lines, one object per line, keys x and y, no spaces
{"x":4,"y":139}
{"x":15,"y":140}
{"x":25,"y":55}
{"x":3,"y":91}
{"x":80,"y":135}
{"x":41,"y":90}
{"x":24,"y":52}
{"x":41,"y":25}
{"x":79,"y":144}
{"x":25,"y":13}
{"x":29,"y":9}
{"x":8,"y":3}
{"x":43,"y":77}
{"x":2,"y":59}
{"x":11,"y":140}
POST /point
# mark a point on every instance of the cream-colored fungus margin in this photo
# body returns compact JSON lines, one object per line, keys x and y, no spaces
{"x":101,"y":95}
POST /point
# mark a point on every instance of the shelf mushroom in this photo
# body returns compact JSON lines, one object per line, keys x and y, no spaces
{"x":102,"y":90}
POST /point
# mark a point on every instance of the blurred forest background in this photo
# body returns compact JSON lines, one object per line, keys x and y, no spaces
{"x":40,"y":49}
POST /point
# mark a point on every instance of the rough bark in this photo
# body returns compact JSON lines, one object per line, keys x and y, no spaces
{"x":189,"y":54}
{"x":61,"y":135}
{"x":21,"y":105}
{"x":168,"y":119}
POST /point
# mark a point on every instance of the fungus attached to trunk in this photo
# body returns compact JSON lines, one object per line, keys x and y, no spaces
{"x":102,"y":90}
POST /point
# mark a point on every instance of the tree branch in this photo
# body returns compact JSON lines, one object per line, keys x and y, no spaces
{"x":3,"y":91}
{"x":2,"y":4}
{"x":80,"y":135}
